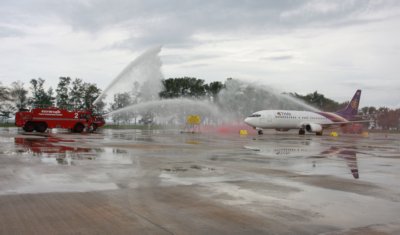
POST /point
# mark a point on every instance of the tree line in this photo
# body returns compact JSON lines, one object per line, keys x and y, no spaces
{"x":69,"y":94}
{"x":185,"y":87}
{"x":77,"y":94}
{"x":321,"y":102}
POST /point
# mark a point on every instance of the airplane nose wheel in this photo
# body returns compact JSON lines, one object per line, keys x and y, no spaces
{"x":260,"y":132}
{"x":302,"y":132}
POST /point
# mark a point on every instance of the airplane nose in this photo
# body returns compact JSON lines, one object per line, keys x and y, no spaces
{"x":248,"y":121}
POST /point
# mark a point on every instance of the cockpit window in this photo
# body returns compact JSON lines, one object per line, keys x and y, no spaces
{"x":255,"y":115}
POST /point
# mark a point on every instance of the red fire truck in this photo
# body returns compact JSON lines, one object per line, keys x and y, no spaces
{"x":40,"y":119}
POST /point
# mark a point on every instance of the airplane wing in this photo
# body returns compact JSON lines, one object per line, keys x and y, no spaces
{"x":343,"y":123}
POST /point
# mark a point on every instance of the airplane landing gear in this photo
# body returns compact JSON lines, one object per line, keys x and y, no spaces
{"x":260,"y":132}
{"x":302,"y":132}
{"x":319,"y":133}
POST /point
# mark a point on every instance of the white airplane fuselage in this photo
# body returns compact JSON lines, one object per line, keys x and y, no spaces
{"x":283,"y":120}
{"x":315,"y":122}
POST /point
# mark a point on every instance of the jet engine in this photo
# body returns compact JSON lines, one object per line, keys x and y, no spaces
{"x":312,"y":127}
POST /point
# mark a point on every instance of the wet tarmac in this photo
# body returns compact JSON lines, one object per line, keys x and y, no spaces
{"x":165,"y":182}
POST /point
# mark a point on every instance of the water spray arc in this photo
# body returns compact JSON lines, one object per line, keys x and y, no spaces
{"x":237,"y":100}
{"x":169,"y":109}
{"x":145,"y":70}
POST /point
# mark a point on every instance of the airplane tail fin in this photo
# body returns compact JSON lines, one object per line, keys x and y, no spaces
{"x":352,"y":108}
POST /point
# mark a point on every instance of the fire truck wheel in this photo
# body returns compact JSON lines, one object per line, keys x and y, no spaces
{"x":94,"y":127}
{"x":79,"y":128}
{"x":29,"y":127}
{"x":40,"y":127}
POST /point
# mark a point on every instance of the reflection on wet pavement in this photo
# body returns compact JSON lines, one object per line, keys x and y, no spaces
{"x":313,"y":184}
{"x":53,"y":147}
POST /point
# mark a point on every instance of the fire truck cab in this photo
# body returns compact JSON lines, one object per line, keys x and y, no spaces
{"x":41,"y":119}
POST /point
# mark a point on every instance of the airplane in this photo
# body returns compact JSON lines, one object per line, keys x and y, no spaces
{"x":313,"y":122}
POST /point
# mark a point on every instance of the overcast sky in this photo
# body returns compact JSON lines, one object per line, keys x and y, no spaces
{"x":334,"y":47}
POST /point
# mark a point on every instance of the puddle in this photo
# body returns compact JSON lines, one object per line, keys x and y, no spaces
{"x":273,"y":176}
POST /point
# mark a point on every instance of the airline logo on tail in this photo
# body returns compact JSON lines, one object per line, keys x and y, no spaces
{"x":354,"y":104}
{"x":356,"y":100}
{"x":352,"y":108}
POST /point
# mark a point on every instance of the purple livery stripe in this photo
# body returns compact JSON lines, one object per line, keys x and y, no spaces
{"x":332,"y":116}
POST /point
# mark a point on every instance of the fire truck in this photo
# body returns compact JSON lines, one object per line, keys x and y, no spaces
{"x":41,"y":119}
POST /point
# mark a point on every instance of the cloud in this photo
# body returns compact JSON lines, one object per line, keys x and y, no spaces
{"x":6,"y":31}
{"x":174,"y":23}
{"x":324,"y":41}
{"x":179,"y":58}
{"x":278,"y":57}
{"x":325,"y":13}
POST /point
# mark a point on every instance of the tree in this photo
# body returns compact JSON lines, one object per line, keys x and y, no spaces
{"x":6,"y":109}
{"x":50,"y":98}
{"x":91,"y":92}
{"x":37,"y":89}
{"x":320,"y":101}
{"x":195,"y":88}
{"x":19,"y":95}
{"x":372,"y":110}
{"x":40,"y":96}
{"x":369,"y":113}
{"x":213,"y":90}
{"x":76,"y":94}
{"x":121,"y":100}
{"x":4,"y":93}
{"x":183,"y":87}
{"x":364,"y":110}
{"x":241,"y":99}
{"x":383,"y":120}
{"x":135,"y":98}
{"x":62,"y":97}
{"x":393,"y":119}
{"x":171,"y":89}
{"x":6,"y":106}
